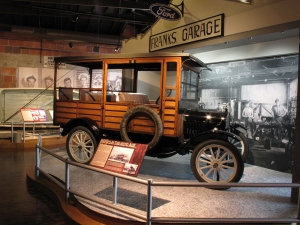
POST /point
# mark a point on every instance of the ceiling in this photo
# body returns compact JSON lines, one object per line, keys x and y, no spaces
{"x":95,"y":21}
{"x":283,"y":69}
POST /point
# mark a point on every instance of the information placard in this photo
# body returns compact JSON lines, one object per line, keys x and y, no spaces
{"x":120,"y":157}
{"x":34,"y":115}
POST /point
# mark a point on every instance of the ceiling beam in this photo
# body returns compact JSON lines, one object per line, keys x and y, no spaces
{"x":63,"y":35}
{"x":35,"y":11}
{"x":99,"y":3}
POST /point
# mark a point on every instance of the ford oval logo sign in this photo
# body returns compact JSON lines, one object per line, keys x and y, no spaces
{"x":165,"y":12}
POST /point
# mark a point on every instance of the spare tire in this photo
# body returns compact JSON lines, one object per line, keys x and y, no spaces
{"x":131,"y":113}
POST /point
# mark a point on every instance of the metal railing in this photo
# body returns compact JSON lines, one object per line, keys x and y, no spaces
{"x":24,"y":134}
{"x":149,"y":183}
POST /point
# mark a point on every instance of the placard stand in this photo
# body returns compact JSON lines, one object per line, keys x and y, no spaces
{"x":120,"y":157}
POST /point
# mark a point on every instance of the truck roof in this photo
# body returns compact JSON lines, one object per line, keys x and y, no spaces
{"x":88,"y":61}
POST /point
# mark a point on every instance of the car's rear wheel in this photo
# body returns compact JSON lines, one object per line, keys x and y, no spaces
{"x":217,"y":161}
{"x":81,"y":145}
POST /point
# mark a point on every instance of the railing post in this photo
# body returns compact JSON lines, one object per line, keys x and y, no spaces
{"x":115,"y":190}
{"x":33,"y":129}
{"x":149,"y":202}
{"x":38,"y":160}
{"x":12,"y":132}
{"x":298,"y":213}
{"x":67,"y":180}
{"x":23,"y":131}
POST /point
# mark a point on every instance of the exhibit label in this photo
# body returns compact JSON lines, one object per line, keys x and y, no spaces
{"x":200,"y":30}
{"x":33,"y":115}
{"x":119,"y":156}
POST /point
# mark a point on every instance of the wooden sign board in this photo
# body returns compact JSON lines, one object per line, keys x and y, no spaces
{"x":34,"y":115}
{"x":120,"y":157}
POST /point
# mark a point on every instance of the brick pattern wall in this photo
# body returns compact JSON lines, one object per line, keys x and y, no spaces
{"x":34,"y":50}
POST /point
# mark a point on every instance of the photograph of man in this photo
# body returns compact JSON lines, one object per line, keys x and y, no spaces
{"x":31,"y":81}
{"x":248,"y":119}
{"x":97,"y":83}
{"x":278,"y":111}
{"x":219,"y":108}
{"x":67,"y":82}
{"x":84,"y":79}
{"x":48,"y":81}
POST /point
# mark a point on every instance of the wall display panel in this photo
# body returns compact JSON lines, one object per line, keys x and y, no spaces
{"x":261,"y":95}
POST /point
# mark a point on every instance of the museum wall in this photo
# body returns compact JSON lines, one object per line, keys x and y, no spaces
{"x":16,"y":52}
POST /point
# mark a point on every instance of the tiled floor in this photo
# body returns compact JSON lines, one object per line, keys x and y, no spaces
{"x":21,"y":204}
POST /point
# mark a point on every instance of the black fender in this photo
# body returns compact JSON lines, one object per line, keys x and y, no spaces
{"x":207,"y":135}
{"x":234,"y":126}
{"x":82,"y":121}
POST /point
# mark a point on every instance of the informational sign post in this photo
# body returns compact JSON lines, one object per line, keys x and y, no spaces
{"x":120,"y":157}
{"x":34,"y":115}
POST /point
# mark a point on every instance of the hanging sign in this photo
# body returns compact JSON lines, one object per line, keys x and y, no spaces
{"x":165,"y":12}
{"x":197,"y":31}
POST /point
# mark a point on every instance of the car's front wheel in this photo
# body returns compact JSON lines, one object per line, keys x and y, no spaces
{"x":81,"y":144}
{"x":217,"y":161}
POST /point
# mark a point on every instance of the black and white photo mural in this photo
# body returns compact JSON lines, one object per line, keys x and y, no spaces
{"x":261,"y":95}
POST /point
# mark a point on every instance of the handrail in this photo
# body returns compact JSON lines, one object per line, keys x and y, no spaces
{"x":24,"y":128}
{"x":148,"y":217}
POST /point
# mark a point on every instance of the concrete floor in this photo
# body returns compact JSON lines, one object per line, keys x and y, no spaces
{"x":182,"y":201}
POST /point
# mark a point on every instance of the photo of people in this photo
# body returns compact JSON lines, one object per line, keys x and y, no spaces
{"x":67,"y":82}
{"x":262,"y":101}
{"x":47,"y":80}
{"x":97,"y":79}
{"x":130,"y":168}
{"x":114,"y":80}
{"x":83,"y":79}
{"x":66,"y":78}
{"x":28,"y":77}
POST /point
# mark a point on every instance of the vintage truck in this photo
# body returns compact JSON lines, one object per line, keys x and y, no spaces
{"x":145,"y":98}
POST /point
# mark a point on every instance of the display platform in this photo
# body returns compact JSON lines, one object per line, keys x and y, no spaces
{"x":176,"y":201}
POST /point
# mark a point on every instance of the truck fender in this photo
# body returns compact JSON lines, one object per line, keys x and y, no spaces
{"x":207,"y":135}
{"x":82,"y":121}
{"x":234,"y":126}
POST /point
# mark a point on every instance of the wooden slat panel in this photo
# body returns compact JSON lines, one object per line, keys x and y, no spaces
{"x":169,"y":132}
{"x":89,"y":112}
{"x":169,"y":125}
{"x":169,"y":118}
{"x":113,"y":119}
{"x":143,"y":122}
{"x":89,"y":106}
{"x":144,"y":129}
{"x":114,"y":113}
{"x":116,"y":107}
{"x":93,"y":117}
{"x":169,"y":103}
{"x":66,"y":110}
{"x":114,"y":126}
{"x":66,"y":104}
{"x":170,"y":111}
{"x":65,"y":115}
{"x":62,"y":120}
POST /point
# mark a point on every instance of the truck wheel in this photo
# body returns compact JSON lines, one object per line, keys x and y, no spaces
{"x":131,"y":113}
{"x":81,"y":144}
{"x":216,"y":161}
{"x":241,"y":145}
